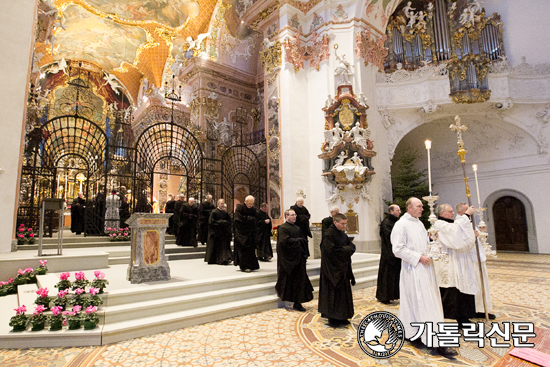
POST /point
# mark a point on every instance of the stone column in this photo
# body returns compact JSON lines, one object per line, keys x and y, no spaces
{"x":148,"y":260}
{"x":17,"y":23}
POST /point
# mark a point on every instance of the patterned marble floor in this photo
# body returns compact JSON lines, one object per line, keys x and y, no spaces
{"x":520,"y":290}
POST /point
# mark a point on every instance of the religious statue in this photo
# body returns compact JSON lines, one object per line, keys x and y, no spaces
{"x":343,"y":70}
{"x":224,"y":131}
{"x":408,"y":10}
{"x":359,"y":136}
{"x":340,"y":160}
{"x":357,"y":160}
{"x":334,"y":137}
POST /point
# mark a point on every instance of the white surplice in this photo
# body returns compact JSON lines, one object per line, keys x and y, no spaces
{"x":457,"y":239}
{"x":479,"y":294}
{"x":420,"y":300}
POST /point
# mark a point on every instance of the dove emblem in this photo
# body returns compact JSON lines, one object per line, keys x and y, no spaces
{"x":381,"y":334}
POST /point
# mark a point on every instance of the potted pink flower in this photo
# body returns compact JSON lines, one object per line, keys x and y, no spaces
{"x":64,"y":282}
{"x":81,"y":281}
{"x":73,"y":318}
{"x":38,"y":319}
{"x":42,"y":268}
{"x":43,"y":299}
{"x":91,"y":319}
{"x":56,"y":318}
{"x":78,"y":299}
{"x":20,"y":320}
{"x":94,"y":299}
{"x":99,"y":282}
{"x":61,"y":300}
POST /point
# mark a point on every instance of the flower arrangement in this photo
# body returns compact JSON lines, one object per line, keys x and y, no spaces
{"x":73,"y":318}
{"x":25,"y":276}
{"x":38,"y":319}
{"x":91,"y":319}
{"x":43,"y":299}
{"x":118,"y":234}
{"x":81,"y":281}
{"x":61,"y":300}
{"x":25,"y":235}
{"x":56,"y":318}
{"x":99,"y":282}
{"x":42,"y":268}
{"x":64,"y":282}
{"x":78,"y":299}
{"x":19,"y":321}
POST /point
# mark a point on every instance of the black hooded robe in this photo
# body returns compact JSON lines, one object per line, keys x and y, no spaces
{"x":189,"y":216}
{"x":204,"y":215}
{"x":218,"y":247}
{"x":335,"y":297}
{"x":292,"y":281}
{"x":245,"y":238}
{"x":390,"y":266}
{"x":264,"y":251}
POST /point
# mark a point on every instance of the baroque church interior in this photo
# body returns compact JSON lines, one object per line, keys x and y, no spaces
{"x":277,"y":99}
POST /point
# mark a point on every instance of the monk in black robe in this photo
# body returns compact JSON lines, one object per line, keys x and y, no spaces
{"x":335,"y":297}
{"x":302,"y":219}
{"x":180,"y":200}
{"x":169,"y":209}
{"x":189,"y":215}
{"x":246,"y":236}
{"x":327,"y":222}
{"x":204,"y":215}
{"x":77,"y":214}
{"x":264,"y":251}
{"x":387,"y":288}
{"x":218,"y":247}
{"x":292,"y":281}
{"x":124,"y":210}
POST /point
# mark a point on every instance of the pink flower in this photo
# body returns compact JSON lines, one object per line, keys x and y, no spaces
{"x":21,"y":225}
{"x":79,"y":291}
{"x":31,"y":235}
{"x":42,"y":292}
{"x":10,"y":280}
{"x":91,"y":309}
{"x":28,"y":270}
{"x":108,"y":229}
{"x":126,"y":233}
{"x":94,"y":291}
{"x":57,"y":310}
{"x":20,"y":272}
{"x":99,"y":275}
{"x":126,"y":229}
{"x":29,"y":229}
{"x":62,"y":293}
{"x":64,"y":276}
{"x":80,"y":275}
{"x":43,"y":262}
{"x":39,"y":309}
{"x":77,"y":308}
{"x":3,"y":283}
{"x":21,"y":310}
{"x":21,"y":229}
{"x":21,"y":235}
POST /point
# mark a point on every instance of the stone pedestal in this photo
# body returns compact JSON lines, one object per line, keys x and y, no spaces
{"x":148,"y":260}
{"x":315,"y":241}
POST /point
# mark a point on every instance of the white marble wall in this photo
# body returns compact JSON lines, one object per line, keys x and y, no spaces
{"x":17,"y":24}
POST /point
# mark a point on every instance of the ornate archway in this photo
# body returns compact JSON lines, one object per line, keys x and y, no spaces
{"x":167,"y":149}
{"x":242,"y":173}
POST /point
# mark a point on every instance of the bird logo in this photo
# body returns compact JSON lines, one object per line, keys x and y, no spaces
{"x":380,"y":334}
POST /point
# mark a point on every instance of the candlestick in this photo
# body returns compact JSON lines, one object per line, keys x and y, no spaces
{"x":428,"y":147}
{"x":474,"y":166}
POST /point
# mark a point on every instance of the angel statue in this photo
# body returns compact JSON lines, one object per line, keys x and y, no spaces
{"x":358,"y":135}
{"x":340,"y":159}
{"x":334,"y":137}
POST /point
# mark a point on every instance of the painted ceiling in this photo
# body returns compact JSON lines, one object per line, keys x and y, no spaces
{"x":130,"y":39}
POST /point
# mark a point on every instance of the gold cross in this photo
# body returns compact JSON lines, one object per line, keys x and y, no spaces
{"x":459,"y":128}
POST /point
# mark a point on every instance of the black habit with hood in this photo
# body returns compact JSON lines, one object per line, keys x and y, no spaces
{"x":292,"y":281}
{"x":218,"y":247}
{"x":246,"y":233}
{"x":390,"y":266}
{"x":335,"y":297}
{"x":265,"y":250}
{"x":204,"y":215}
{"x":189,"y":216}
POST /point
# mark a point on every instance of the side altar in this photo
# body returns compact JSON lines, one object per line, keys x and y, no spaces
{"x":148,"y":258}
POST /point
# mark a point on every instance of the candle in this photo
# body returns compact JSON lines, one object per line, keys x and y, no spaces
{"x":428,"y":147}
{"x":474,"y":166}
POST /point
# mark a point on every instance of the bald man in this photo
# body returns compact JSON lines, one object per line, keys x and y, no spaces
{"x":246,"y":231}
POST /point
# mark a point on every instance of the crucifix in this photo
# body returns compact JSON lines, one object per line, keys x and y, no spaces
{"x":459,"y":128}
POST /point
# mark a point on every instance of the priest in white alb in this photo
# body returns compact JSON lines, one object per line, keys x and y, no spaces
{"x":419,"y":293}
{"x":456,"y":277}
